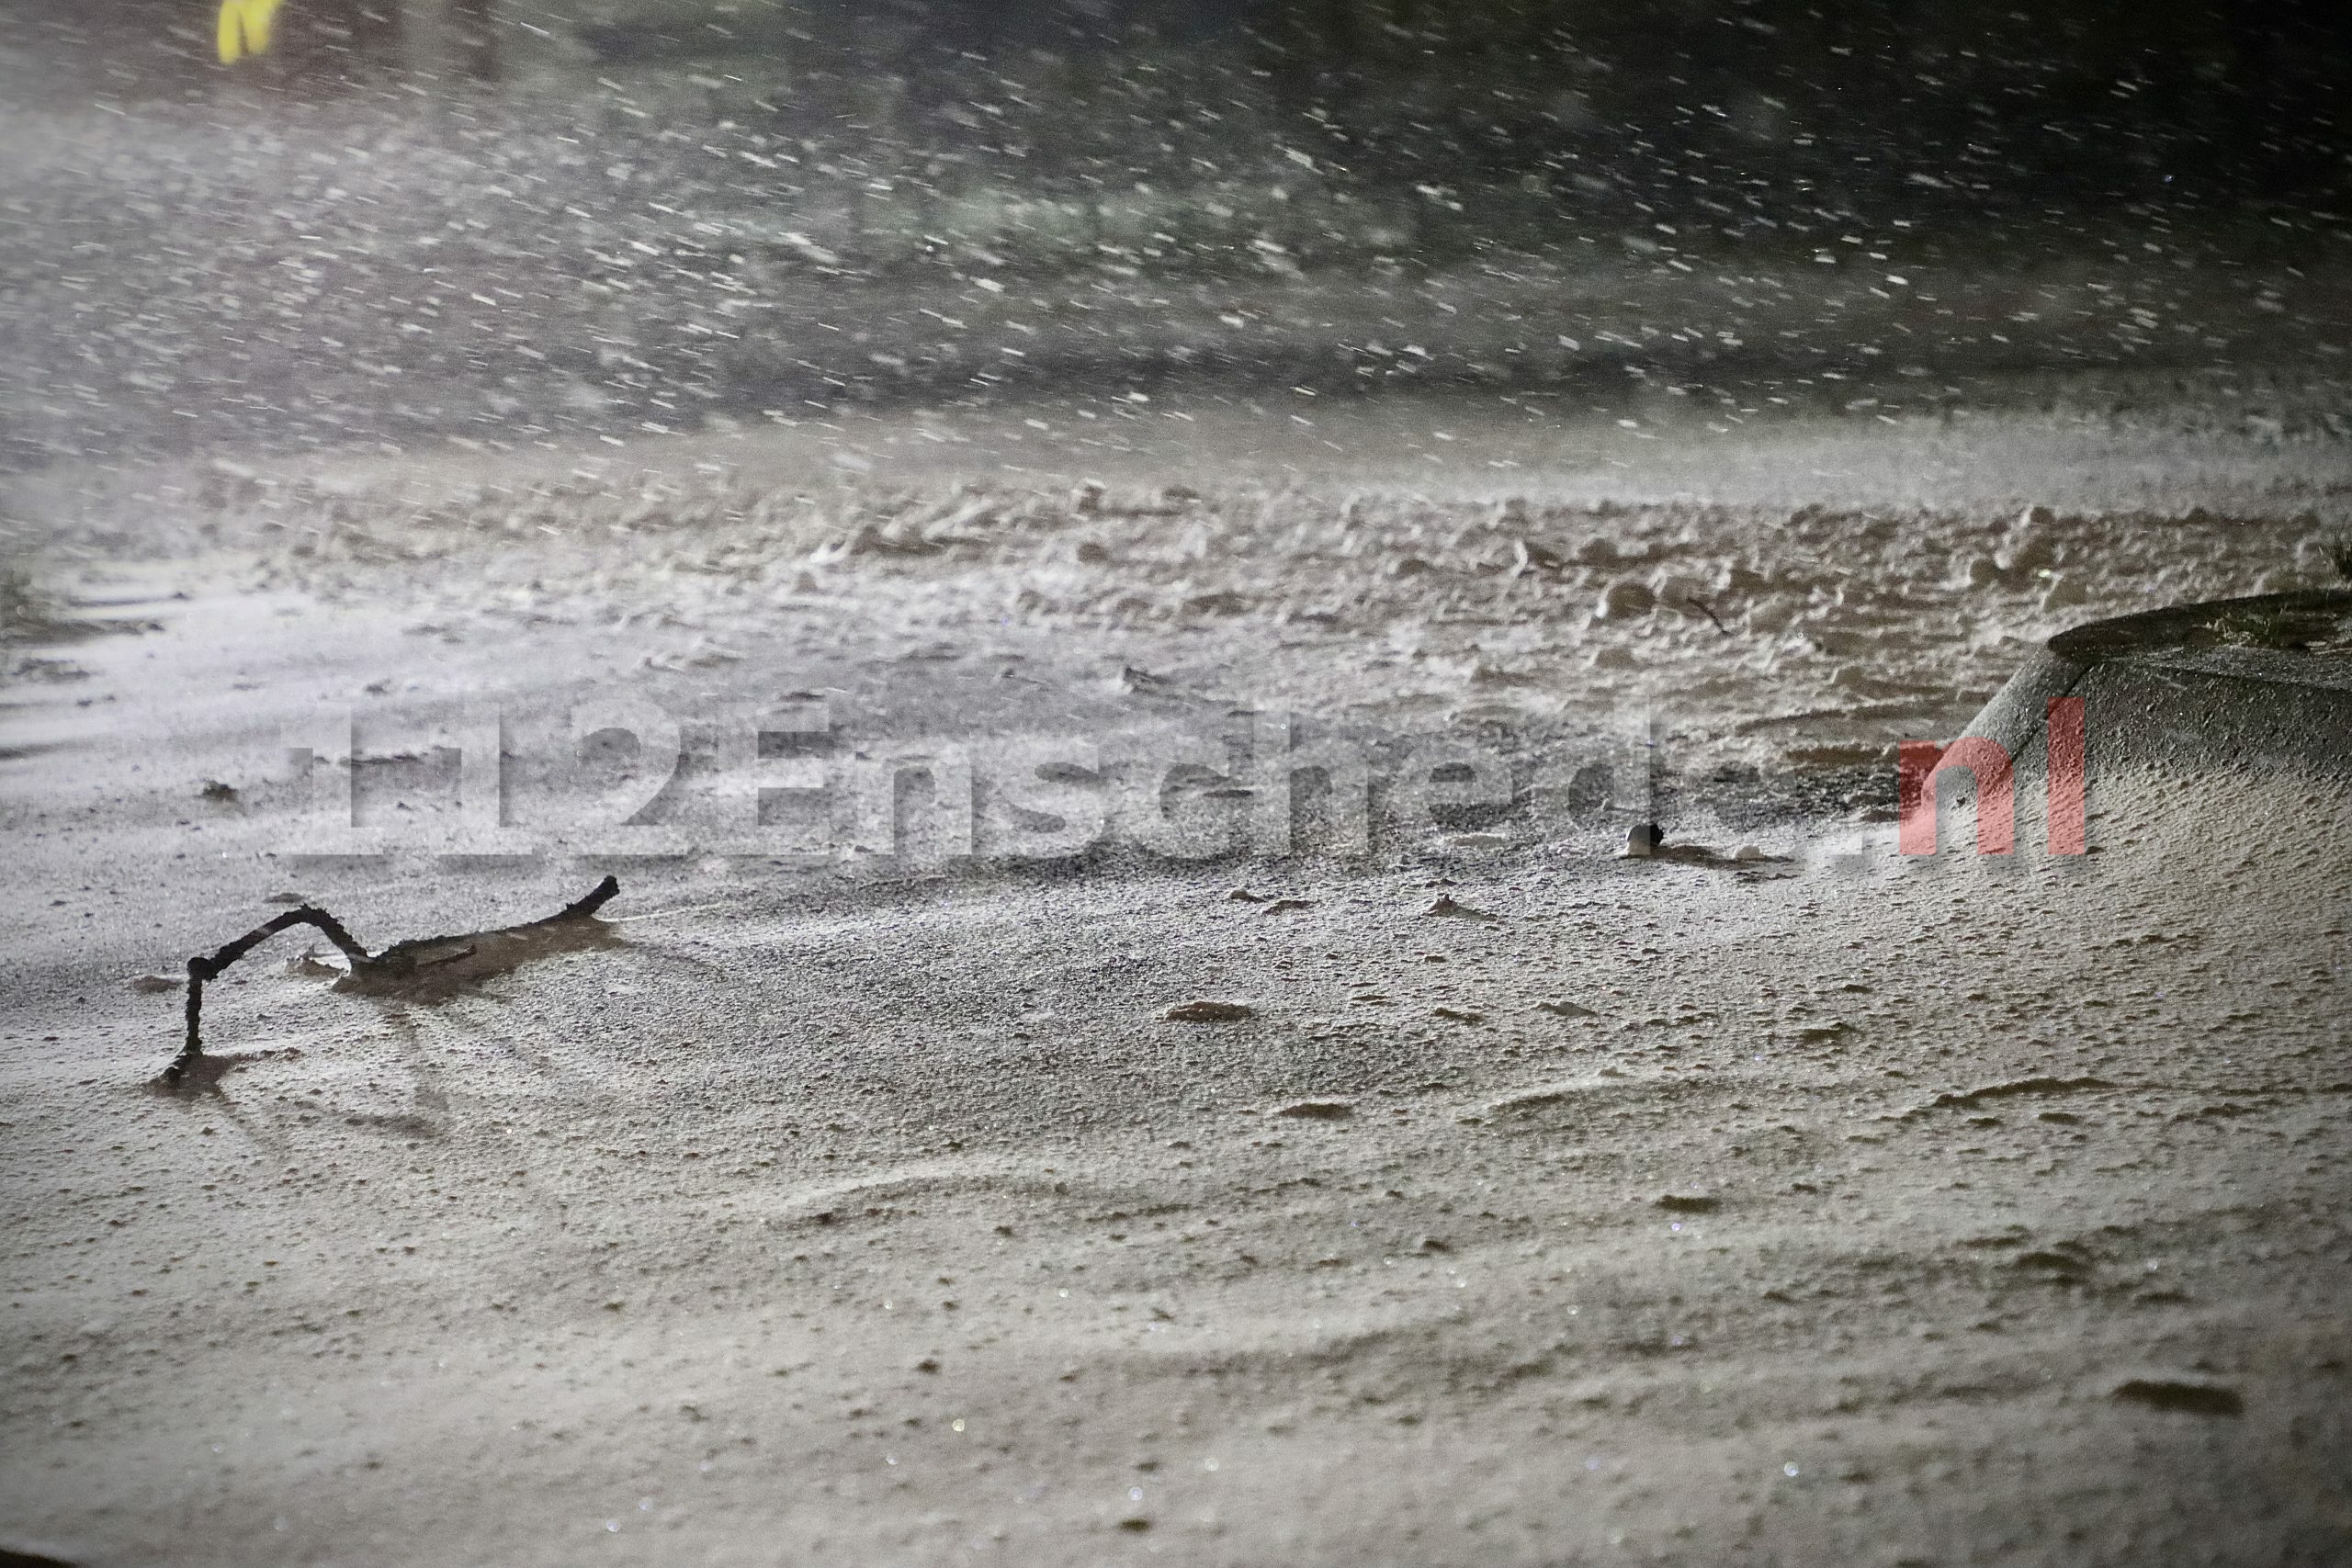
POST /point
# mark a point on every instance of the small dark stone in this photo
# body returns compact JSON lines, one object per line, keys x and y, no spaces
{"x":2182,"y":1394}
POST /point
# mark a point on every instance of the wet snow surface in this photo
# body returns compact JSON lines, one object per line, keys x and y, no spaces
{"x":1484,"y":1196}
{"x":1487,"y":1192}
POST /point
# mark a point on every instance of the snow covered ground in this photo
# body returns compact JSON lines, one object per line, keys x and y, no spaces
{"x":1528,"y":1204}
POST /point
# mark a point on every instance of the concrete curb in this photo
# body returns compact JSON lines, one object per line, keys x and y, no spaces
{"x":2260,"y":684}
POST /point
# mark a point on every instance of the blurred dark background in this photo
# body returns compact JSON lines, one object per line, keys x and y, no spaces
{"x":428,"y":216}
{"x":2089,"y":94}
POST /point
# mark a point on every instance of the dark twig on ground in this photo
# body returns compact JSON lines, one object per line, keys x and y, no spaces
{"x":1707,"y":610}
{"x":401,"y":962}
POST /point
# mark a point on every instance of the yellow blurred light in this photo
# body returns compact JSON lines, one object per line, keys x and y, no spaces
{"x":245,"y":28}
